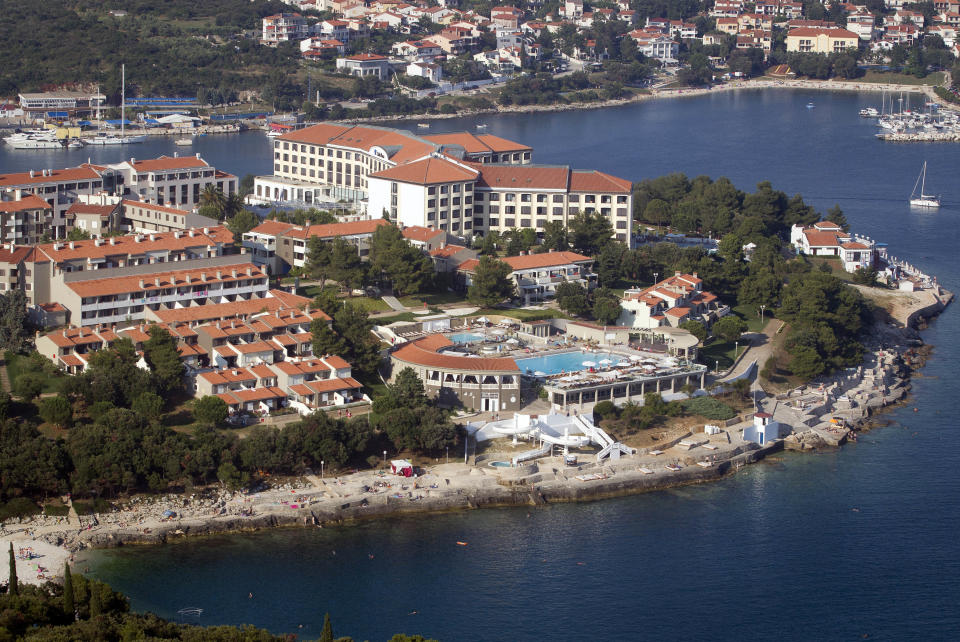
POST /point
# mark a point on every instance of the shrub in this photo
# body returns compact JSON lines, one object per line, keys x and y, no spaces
{"x":56,"y":510}
{"x":605,"y":410}
{"x":18,"y":507}
{"x":709,"y":408}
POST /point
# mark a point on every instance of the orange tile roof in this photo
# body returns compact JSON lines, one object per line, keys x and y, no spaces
{"x":73,"y":336}
{"x":816,"y":238}
{"x":165,"y":163}
{"x":855,"y":246}
{"x":217,"y":311}
{"x":419,"y":233}
{"x":678,"y":312}
{"x":259,"y":394}
{"x":29,"y":202}
{"x":529,"y":261}
{"x":56,"y":176}
{"x":86,"y":208}
{"x":71,"y":360}
{"x":424,"y":353}
{"x":176,"y":278}
{"x":331,"y":230}
{"x":478,"y":143}
{"x":272,"y":228}
{"x":427,"y":171}
{"x":403,"y":145}
{"x":18,"y":254}
{"x":128,"y":245}
{"x":333,"y":385}
{"x":594,"y":181}
{"x":447,"y":251}
{"x":523,"y":177}
{"x":251,"y":348}
{"x":335,"y":361}
{"x":813,"y":32}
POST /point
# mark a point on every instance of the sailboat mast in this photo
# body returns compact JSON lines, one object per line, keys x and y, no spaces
{"x":123,"y":97}
{"x":923,"y":180}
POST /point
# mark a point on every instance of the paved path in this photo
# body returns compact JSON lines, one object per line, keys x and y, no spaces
{"x":394,"y":303}
{"x":759,"y":350}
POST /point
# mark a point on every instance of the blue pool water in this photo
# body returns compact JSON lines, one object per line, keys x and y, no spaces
{"x":465,"y":337}
{"x":562,"y":362}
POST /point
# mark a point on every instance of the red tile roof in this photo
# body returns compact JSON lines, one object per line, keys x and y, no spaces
{"x":530,"y":261}
{"x":423,"y":353}
{"x":176,"y":278}
{"x":166,"y":163}
{"x":29,"y":202}
{"x":419,"y":233}
{"x":426,"y":171}
{"x":404,"y":146}
{"x":56,"y":176}
{"x":331,"y":230}
{"x":86,"y":208}
{"x":478,"y":143}
{"x":128,"y":245}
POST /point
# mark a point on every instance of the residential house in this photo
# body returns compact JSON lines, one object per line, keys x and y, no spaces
{"x":536,"y":276}
{"x":364,"y":65}
{"x":820,"y":40}
{"x":283,"y":27}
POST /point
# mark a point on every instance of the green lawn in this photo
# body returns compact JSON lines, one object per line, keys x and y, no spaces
{"x":720,"y":351}
{"x":17,"y":364}
{"x":400,"y":316}
{"x":522,"y":315}
{"x":436,"y":298}
{"x":891,"y":77}
{"x":751,"y":315}
{"x":834,"y":263}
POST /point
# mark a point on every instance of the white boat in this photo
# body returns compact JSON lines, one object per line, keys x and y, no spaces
{"x":810,"y":105}
{"x":183,"y":142}
{"x":869,"y":112}
{"x":923,"y":200}
{"x":29,"y":142}
{"x":76,"y":143}
{"x":130,"y":140}
{"x":481,"y":125}
{"x":104,"y":139}
{"x":274,"y":133}
{"x":423,"y":125}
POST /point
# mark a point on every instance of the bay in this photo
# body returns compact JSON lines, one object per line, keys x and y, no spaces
{"x":838,"y":545}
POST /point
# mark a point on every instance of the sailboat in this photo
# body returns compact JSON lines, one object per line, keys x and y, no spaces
{"x":126,"y":140}
{"x":923,"y":200}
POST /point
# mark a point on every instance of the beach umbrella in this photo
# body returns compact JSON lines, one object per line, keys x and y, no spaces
{"x":636,"y":357}
{"x":605,"y":362}
{"x":589,"y":364}
{"x":623,"y":362}
{"x":483,"y":320}
{"x":540,"y":373}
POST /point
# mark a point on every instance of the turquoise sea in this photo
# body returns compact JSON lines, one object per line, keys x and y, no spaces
{"x":853,"y":544}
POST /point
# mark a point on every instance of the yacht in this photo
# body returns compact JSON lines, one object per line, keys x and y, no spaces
{"x":923,"y":200}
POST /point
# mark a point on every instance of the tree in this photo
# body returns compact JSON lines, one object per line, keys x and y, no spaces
{"x":213,"y":201}
{"x":14,"y":324}
{"x":606,"y":306}
{"x":113,"y":375}
{"x":28,"y":385}
{"x":210,"y":410}
{"x":243,"y":222}
{"x":555,"y":237}
{"x":78,"y":234}
{"x":12,"y":586}
{"x":318,"y":260}
{"x":406,"y":268}
{"x":491,"y":283}
{"x":148,"y":406}
{"x":572,"y":298}
{"x":836,"y":215}
{"x":695,"y":328}
{"x":760,"y":289}
{"x":163,"y":358}
{"x":589,"y":232}
{"x":325,"y":340}
{"x":345,"y":265}
{"x":68,"y":608}
{"x":729,"y":328}
{"x":326,"y":635}
{"x":608,"y":267}
{"x":57,"y":411}
{"x":362,"y":350}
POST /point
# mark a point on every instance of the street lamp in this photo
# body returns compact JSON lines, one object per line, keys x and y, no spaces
{"x":321,"y":469}
{"x":761,"y":311}
{"x":384,"y":458}
{"x":736,"y":347}
{"x":655,"y":275}
{"x":448,"y":454}
{"x":717,"y":368}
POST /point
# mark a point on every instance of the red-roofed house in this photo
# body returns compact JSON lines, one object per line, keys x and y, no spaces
{"x":670,"y":302}
{"x":536,"y":276}
{"x":828,"y":239}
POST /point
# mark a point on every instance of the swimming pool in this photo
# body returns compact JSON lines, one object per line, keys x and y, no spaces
{"x":564,"y":361}
{"x":465,"y":337}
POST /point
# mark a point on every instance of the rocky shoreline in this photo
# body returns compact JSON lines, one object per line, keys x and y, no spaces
{"x":853,"y":397}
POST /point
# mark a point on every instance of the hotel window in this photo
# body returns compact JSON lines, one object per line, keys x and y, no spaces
{"x":443,"y":189}
{"x":621,"y":211}
{"x":541,"y":210}
{"x":621,"y":225}
{"x":541,"y":222}
{"x":456,"y":189}
{"x":494,"y":222}
{"x":621,"y":200}
{"x":479,"y":209}
{"x":574,"y":198}
{"x":541,"y":198}
{"x":525,"y":198}
{"x":605,"y":198}
{"x":524,"y":222}
{"x":456,"y":200}
{"x":510,"y":197}
{"x":510,"y":222}
{"x":509,"y":209}
{"x":589,"y":198}
{"x":494,"y":196}
{"x":431,"y":190}
{"x":478,"y":222}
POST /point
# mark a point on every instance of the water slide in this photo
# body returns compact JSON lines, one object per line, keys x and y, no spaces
{"x":542,"y":451}
{"x":596,"y":435}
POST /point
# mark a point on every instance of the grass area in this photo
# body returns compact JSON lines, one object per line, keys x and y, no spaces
{"x":522,"y":315}
{"x":751,"y":315}
{"x":437,"y":298}
{"x":402,"y":316}
{"x":894,"y":78}
{"x":719,"y":351}
{"x":835,"y":265}
{"x":368,"y":304}
{"x":18,"y":364}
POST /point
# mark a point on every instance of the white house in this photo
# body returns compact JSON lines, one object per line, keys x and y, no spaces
{"x":828,"y":239}
{"x":365,"y":65}
{"x":431,"y":71}
{"x":670,"y":302}
{"x":764,"y":429}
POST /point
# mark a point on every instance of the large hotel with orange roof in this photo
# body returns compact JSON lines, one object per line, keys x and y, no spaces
{"x":462,"y":183}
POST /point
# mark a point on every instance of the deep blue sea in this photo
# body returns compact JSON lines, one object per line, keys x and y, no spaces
{"x":859,"y":543}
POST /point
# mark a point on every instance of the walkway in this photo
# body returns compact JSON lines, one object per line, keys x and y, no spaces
{"x":759,"y":350}
{"x":394,"y":303}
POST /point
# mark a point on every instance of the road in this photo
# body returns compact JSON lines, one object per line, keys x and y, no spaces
{"x":759,"y":349}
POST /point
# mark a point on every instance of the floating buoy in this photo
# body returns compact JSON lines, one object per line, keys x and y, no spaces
{"x":461,"y":543}
{"x":916,"y":410}
{"x":581,"y":563}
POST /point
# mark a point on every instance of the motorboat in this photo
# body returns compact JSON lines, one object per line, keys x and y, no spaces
{"x":183,"y":142}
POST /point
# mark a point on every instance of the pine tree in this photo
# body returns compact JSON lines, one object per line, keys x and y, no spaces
{"x":12,"y":587}
{"x":327,"y":634}
{"x":68,"y":607}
